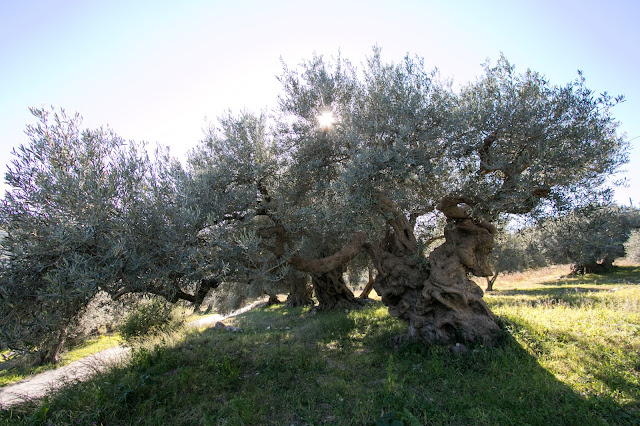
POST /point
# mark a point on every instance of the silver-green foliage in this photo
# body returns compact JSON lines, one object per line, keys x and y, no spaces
{"x":88,"y":212}
{"x":149,"y":318}
{"x":527,"y":140}
{"x":508,"y":142}
{"x":517,"y":251}
{"x":589,"y":235}
{"x":632,"y":246}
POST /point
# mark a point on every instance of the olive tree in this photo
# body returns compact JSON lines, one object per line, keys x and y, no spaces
{"x":233,"y":172}
{"x":351,"y":162}
{"x":402,"y":145}
{"x":87,"y":212}
{"x":357,"y":157}
{"x":590,"y":237}
{"x":632,"y":246}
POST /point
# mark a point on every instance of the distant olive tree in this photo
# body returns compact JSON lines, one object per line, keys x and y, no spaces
{"x":632,"y":246}
{"x":590,"y":237}
{"x":515,"y":250}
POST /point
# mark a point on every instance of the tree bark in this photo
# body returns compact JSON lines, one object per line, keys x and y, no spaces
{"x":440,"y":303}
{"x":300,"y":294}
{"x":491,"y":281}
{"x":400,"y":279}
{"x":52,"y":350}
{"x":606,"y":265}
{"x":326,"y":274}
{"x":368,"y":287}
{"x":273,"y":300}
{"x":450,"y":309}
{"x":332,"y":291}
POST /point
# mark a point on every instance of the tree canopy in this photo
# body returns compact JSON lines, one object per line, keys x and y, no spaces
{"x":266,"y":199}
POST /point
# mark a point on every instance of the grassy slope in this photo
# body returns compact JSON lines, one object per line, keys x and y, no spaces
{"x":572,"y":357}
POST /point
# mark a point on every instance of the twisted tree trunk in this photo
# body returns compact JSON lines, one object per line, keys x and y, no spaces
{"x":326,"y":272}
{"x":332,"y":291}
{"x":400,"y":278}
{"x":440,"y":303}
{"x":328,"y":282}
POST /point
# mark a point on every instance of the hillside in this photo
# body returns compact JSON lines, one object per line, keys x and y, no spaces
{"x":572,"y":356}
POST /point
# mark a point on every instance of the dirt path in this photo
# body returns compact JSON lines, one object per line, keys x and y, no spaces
{"x":44,"y":383}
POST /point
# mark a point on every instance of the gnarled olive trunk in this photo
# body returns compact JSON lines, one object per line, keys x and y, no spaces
{"x":300,"y":294}
{"x":450,"y":309}
{"x":401,"y":275}
{"x":332,"y":291}
{"x":440,"y":303}
{"x":328,"y":282}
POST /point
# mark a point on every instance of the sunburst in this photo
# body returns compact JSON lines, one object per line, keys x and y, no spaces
{"x":326,"y":119}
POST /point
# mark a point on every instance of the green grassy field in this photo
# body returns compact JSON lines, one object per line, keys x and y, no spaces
{"x":572,"y":356}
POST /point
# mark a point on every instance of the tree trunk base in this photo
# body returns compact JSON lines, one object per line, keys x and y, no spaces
{"x":491,"y":281}
{"x":368,"y":287}
{"x":332,"y":292}
{"x":273,"y":300}
{"x":438,"y":300}
{"x":300,"y":295}
{"x":451,"y":310}
{"x":591,"y":268}
{"x":52,"y":352}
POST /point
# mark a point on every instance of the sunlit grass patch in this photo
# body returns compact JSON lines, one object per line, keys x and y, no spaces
{"x":19,"y":371}
{"x":91,"y":347}
{"x":584,"y":330}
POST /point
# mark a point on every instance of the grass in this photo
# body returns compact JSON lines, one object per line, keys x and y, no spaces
{"x":14,"y":371}
{"x":572,"y":357}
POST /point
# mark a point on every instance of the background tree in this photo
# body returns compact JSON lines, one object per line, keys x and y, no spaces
{"x":515,"y":250}
{"x":632,"y":246}
{"x":589,"y":237}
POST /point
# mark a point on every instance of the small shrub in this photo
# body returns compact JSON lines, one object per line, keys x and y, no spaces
{"x":149,"y":319}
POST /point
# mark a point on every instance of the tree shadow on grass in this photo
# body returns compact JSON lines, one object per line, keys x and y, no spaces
{"x":608,"y":370}
{"x":335,"y":368}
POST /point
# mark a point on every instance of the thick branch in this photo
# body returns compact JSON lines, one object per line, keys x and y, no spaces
{"x":329,"y":263}
{"x":460,"y":208}
{"x":484,"y":155}
{"x":206,"y":284}
{"x":282,"y":239}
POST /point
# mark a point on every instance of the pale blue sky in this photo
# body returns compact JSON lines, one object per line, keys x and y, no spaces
{"x":159,"y":71}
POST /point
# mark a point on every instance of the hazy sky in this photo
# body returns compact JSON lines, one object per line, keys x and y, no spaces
{"x":160,"y":71}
